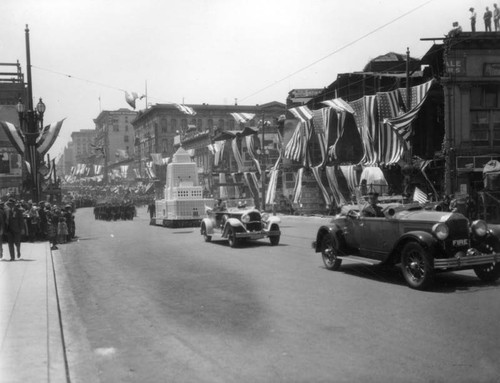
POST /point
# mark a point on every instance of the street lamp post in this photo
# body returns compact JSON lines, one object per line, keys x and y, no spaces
{"x":31,"y":122}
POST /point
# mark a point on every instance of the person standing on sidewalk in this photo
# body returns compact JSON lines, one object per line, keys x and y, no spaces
{"x":3,"y":224}
{"x":15,"y":227}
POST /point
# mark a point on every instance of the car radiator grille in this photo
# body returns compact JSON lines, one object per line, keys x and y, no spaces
{"x":254,"y":226}
{"x":459,"y":230}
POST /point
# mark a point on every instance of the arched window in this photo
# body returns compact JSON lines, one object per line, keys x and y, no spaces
{"x":173,"y":125}
{"x":221,"y":124}
{"x":184,"y":124}
{"x":199,"y":124}
{"x":164,"y":125}
{"x":231,"y":124}
{"x":210,"y":124}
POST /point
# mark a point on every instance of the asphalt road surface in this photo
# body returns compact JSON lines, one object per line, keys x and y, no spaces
{"x":143,"y":303}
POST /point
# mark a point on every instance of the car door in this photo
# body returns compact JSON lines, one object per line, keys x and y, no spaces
{"x":378,"y":236}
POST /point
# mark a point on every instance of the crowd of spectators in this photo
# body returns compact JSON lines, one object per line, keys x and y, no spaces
{"x":42,"y":221}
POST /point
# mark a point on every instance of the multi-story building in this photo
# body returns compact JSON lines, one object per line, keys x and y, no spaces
{"x":114,"y":135}
{"x":82,"y":144}
{"x":12,"y":88}
{"x":163,"y":127}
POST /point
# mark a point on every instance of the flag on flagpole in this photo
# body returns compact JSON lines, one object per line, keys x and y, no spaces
{"x":419,"y":196}
{"x":130,"y":97}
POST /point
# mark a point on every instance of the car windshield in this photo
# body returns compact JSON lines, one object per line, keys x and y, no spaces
{"x":240,"y":203}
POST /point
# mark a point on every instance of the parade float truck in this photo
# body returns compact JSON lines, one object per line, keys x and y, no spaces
{"x":183,"y":204}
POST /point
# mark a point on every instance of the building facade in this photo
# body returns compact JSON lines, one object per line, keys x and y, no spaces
{"x":12,"y":89}
{"x":162,"y":128}
{"x":114,"y":137}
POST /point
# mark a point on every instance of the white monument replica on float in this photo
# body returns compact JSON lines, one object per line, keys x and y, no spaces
{"x":183,"y":203}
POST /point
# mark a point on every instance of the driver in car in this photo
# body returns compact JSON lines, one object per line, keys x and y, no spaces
{"x":372,"y":209}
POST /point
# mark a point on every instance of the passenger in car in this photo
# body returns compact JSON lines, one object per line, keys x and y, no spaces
{"x":372,"y":209}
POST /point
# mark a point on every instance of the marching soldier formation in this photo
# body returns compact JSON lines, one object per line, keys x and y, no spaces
{"x":113,"y":211}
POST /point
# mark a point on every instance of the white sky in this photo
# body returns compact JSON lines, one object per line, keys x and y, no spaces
{"x":206,"y":51}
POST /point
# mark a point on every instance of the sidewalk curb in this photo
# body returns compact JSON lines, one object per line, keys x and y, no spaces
{"x":80,"y":358}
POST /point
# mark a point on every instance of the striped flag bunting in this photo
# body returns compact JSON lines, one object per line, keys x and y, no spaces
{"x":124,"y":170}
{"x":250,"y":141}
{"x":402,"y":123}
{"x":271,"y":186}
{"x":14,"y":135}
{"x":237,"y":154}
{"x":364,"y":116}
{"x":297,"y":190}
{"x":324,"y":192}
{"x":185,"y":109}
{"x":222,"y":189}
{"x":349,"y":174}
{"x":252,"y":186}
{"x":389,"y":144}
{"x":48,"y":137}
{"x":419,"y":196}
{"x":243,"y":117}
{"x":219,"y":151}
{"x":334,"y":186}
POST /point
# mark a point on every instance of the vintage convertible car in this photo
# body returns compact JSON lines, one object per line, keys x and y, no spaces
{"x":239,"y":220}
{"x":423,"y":242}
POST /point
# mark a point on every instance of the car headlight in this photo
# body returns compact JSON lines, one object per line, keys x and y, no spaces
{"x":245,"y":218}
{"x":265,"y":217}
{"x":441,"y":231}
{"x":479,"y":227}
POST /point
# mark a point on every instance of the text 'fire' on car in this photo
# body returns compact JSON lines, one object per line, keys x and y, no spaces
{"x":238,"y":221}
{"x":421,"y":240}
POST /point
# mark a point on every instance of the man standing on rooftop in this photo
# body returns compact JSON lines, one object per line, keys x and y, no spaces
{"x":496,"y":17}
{"x":487,"y":20}
{"x":472,"y":19}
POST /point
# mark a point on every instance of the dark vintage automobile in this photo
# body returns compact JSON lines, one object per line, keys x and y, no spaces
{"x":238,"y":221}
{"x":423,"y":242}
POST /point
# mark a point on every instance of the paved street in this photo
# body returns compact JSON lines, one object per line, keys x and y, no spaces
{"x":150,"y":304}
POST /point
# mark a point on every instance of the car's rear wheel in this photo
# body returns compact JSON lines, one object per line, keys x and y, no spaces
{"x":330,"y":252}
{"x":490,"y":272}
{"x":231,"y":237}
{"x":416,"y":266}
{"x":206,"y":237}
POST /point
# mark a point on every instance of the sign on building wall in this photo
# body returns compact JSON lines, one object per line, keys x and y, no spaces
{"x":491,"y":69}
{"x":10,"y":162}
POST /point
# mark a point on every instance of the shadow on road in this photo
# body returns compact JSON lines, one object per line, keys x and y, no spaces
{"x":444,"y":282}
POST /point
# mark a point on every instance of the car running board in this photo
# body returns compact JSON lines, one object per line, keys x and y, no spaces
{"x":357,"y":258}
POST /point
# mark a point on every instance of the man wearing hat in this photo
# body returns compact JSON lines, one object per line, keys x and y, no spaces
{"x":15,"y":227}
{"x":372,"y":209}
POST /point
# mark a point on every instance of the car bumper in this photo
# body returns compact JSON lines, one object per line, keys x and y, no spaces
{"x":461,"y":260}
{"x":258,"y":234}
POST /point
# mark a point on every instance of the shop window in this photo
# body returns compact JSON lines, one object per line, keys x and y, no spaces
{"x":173,"y":125}
{"x":480,"y":128}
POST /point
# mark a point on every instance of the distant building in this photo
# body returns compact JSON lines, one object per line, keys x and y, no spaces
{"x":114,"y":134}
{"x":12,"y":88}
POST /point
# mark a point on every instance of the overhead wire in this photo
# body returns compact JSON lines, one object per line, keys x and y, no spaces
{"x":338,"y":50}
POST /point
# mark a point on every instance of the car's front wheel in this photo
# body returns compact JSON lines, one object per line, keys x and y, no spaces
{"x":330,"y":252}
{"x":206,"y":237}
{"x":416,"y":266}
{"x":231,"y":237}
{"x":491,"y":272}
